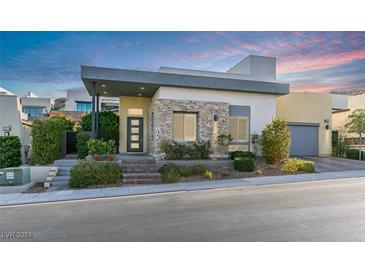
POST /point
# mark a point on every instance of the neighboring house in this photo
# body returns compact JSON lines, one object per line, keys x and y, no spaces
{"x":36,"y":106}
{"x":340,"y":117}
{"x":189,"y":105}
{"x":309,"y":117}
{"x":78,"y":99}
{"x":13,"y":122}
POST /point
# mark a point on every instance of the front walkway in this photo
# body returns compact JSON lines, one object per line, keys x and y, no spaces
{"x":128,"y":190}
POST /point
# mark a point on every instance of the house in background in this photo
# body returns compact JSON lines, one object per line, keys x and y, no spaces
{"x":78,"y":99}
{"x":36,"y":106}
{"x":13,"y":122}
{"x":340,"y":117}
{"x":184,"y":105}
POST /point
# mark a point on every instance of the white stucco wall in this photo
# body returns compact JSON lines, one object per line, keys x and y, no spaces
{"x":37,"y":102}
{"x":263,"y":106}
{"x":340,"y":101}
{"x":10,"y":115}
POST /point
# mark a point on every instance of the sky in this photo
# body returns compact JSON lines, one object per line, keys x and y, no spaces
{"x":48,"y":63}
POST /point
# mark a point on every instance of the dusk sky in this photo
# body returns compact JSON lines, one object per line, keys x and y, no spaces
{"x":48,"y":63}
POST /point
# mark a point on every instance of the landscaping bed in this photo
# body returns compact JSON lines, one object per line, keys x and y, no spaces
{"x":36,"y":188}
{"x":262,"y":169}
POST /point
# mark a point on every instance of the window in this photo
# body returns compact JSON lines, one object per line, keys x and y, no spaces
{"x":34,"y":111}
{"x":83,"y":106}
{"x":135,"y":112}
{"x":184,"y":126}
{"x":238,"y":128}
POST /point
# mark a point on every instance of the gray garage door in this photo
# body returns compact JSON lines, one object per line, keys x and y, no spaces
{"x":304,"y":140}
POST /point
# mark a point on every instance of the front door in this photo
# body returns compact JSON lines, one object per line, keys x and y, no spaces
{"x":134,"y":134}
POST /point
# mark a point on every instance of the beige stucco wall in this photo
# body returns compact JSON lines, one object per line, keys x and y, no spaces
{"x":308,"y":108}
{"x":126,"y":102}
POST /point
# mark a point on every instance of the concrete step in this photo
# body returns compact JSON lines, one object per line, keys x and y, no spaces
{"x":59,"y":183}
{"x":63,"y":173}
{"x":60,"y":178}
{"x":138,"y":162}
{"x":141,"y":176}
{"x":140,"y":169}
{"x":140,"y":181}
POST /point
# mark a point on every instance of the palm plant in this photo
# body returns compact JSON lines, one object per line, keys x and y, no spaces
{"x":356,"y":124}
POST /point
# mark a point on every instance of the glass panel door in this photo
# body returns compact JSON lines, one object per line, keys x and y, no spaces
{"x":135,"y":134}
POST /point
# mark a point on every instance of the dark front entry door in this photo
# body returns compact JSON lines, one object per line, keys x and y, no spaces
{"x":135,"y":134}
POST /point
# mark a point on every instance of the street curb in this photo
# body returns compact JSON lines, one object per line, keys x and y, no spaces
{"x":127,"y":191}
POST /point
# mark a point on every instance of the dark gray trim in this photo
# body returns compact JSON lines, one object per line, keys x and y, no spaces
{"x":89,"y":74}
{"x":235,"y":110}
{"x":303,"y":124}
{"x":93,"y":124}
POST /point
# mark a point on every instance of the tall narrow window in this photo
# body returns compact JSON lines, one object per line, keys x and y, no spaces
{"x":184,"y":126}
{"x":238,"y":128}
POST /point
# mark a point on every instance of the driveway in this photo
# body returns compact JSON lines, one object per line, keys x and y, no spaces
{"x":328,"y":164}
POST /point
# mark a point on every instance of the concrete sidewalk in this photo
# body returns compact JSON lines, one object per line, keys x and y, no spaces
{"x":78,"y":194}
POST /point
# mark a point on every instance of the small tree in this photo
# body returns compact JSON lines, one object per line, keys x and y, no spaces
{"x":275,"y":140}
{"x":356,"y":124}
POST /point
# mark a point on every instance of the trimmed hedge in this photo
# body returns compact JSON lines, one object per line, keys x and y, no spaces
{"x":190,"y":150}
{"x":46,"y":140}
{"x":81,"y":145}
{"x":245,"y":164}
{"x":293,"y":165}
{"x":241,"y":154}
{"x":354,"y":154}
{"x":10,"y":151}
{"x":87,"y":173}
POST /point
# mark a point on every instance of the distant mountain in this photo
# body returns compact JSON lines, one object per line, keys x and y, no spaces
{"x":59,"y":103}
{"x":356,"y":91}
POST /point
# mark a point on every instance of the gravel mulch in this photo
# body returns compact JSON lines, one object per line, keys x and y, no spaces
{"x":38,"y":187}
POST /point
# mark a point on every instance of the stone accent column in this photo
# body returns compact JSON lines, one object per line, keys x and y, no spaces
{"x":161,"y":113}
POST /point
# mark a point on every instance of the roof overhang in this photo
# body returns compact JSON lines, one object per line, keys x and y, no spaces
{"x":123,"y":82}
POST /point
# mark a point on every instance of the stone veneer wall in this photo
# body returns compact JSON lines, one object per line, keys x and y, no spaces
{"x":161,"y":118}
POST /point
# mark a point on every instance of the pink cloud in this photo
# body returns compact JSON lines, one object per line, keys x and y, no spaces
{"x":301,"y":64}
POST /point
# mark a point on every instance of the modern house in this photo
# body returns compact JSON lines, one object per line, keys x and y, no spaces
{"x":340,"y":116}
{"x":78,"y":99}
{"x":36,"y":106}
{"x":191,"y":105}
{"x":13,"y":122}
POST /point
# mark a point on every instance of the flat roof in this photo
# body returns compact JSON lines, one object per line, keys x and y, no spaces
{"x":125,"y":82}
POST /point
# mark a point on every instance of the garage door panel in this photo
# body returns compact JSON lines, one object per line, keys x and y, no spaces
{"x":304,"y":140}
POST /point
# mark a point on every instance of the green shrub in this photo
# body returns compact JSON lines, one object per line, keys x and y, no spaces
{"x":200,"y":150}
{"x":100,"y":147}
{"x":190,"y":171}
{"x":68,"y":121}
{"x":108,"y":126}
{"x":276,"y":141}
{"x":46,"y":140}
{"x":354,"y":154}
{"x":293,"y":165}
{"x":170,"y":173}
{"x":246,"y":164}
{"x":190,"y":150}
{"x":10,"y":151}
{"x":81,"y":145}
{"x":88,"y":173}
{"x":241,"y":154}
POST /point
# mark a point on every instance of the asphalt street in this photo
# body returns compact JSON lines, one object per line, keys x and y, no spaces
{"x":332,"y":210}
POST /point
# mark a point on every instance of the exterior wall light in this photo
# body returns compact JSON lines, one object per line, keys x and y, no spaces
{"x":215,"y":117}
